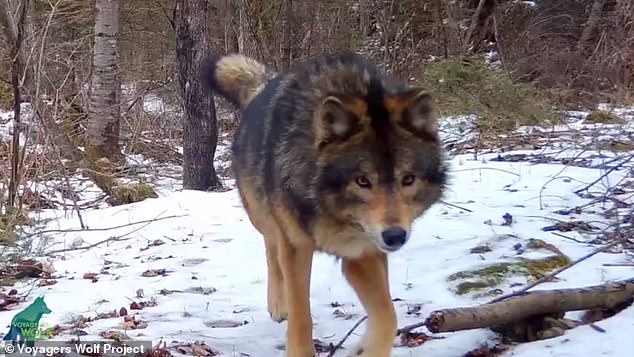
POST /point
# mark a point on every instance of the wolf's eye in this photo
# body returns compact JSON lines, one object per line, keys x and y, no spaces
{"x":408,"y":180}
{"x":363,"y":182}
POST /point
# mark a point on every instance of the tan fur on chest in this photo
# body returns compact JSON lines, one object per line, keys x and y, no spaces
{"x":344,"y":241}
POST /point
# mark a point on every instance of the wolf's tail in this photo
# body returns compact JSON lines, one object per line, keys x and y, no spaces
{"x":235,"y":77}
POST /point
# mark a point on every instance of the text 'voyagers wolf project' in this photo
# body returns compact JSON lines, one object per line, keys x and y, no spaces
{"x":336,"y":157}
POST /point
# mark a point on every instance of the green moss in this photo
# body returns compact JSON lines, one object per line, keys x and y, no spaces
{"x":480,"y":249}
{"x":10,"y":225}
{"x":603,"y":117}
{"x":491,"y":276}
{"x":489,"y":272}
{"x":536,"y":244}
{"x":471,"y":286}
{"x":6,"y":96}
{"x":70,"y":124}
{"x":462,"y":87}
{"x":123,"y":194}
{"x":538,"y":268}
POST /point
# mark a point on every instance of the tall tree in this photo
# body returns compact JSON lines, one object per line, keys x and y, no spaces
{"x":14,"y":29}
{"x":200,"y":130}
{"x":287,"y":39}
{"x":102,"y":134}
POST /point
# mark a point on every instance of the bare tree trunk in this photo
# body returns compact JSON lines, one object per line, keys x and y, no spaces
{"x":591,"y":24}
{"x":17,"y":68}
{"x":364,"y":17}
{"x":231,"y":39}
{"x":287,"y":41}
{"x":102,"y":134}
{"x":498,"y":41}
{"x":241,"y":27}
{"x":477,"y":27}
{"x":443,"y":41}
{"x":51,"y":129}
{"x":200,"y":131}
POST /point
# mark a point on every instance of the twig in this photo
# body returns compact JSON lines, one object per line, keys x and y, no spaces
{"x":556,"y":272}
{"x":456,"y":206}
{"x":340,"y":343}
{"x":618,"y":265}
{"x":488,"y":168}
{"x":569,"y":238}
{"x":605,"y":174}
{"x":32,"y":287}
{"x":111,"y":239}
{"x":555,"y":177}
{"x":101,"y":229}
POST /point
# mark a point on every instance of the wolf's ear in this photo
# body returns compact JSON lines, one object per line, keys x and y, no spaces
{"x":419,"y":114}
{"x":334,"y":122}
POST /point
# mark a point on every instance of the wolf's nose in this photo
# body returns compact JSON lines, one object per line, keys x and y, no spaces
{"x":394,"y":238}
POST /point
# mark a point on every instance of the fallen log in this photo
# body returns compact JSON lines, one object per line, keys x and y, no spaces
{"x":522,"y":306}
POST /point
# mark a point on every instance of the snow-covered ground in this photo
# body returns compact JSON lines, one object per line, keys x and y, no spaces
{"x":201,"y":266}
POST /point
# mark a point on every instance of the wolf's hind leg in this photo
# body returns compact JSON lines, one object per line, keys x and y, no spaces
{"x":276,"y":294}
{"x":368,"y":276}
{"x":262,"y":220}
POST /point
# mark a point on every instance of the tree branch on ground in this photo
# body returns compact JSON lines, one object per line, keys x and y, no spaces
{"x":528,"y":304}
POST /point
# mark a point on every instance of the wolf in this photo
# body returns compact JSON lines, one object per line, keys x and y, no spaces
{"x":332,"y":156}
{"x":25,"y":324}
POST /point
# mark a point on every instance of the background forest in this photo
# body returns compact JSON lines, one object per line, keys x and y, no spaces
{"x":508,"y":62}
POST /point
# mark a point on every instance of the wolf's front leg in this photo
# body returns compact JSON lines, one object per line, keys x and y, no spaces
{"x":368,"y":276}
{"x":296,"y":263}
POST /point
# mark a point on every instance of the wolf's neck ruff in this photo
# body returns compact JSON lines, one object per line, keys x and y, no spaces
{"x":332,"y":157}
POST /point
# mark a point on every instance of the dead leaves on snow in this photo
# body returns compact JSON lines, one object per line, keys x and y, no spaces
{"x":225,"y":323}
{"x":26,"y":268}
{"x":414,"y":339}
{"x":198,"y":349}
{"x":143,"y":304}
{"x":131,"y":323}
{"x":488,"y":351}
{"x":92,"y":277}
{"x":570,"y":226}
{"x":8,"y":301}
{"x":150,"y":273}
{"x":154,"y":243}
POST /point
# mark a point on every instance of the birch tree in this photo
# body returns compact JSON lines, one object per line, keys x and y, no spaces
{"x":102,"y":133}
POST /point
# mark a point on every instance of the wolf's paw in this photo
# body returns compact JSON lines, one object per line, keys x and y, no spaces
{"x":357,"y":350}
{"x":361,"y":350}
{"x":277,"y":311}
{"x":278,"y":316}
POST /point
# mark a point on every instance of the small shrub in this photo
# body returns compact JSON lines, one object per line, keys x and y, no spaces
{"x":6,"y":96}
{"x":131,"y":193}
{"x":464,"y":87}
{"x":603,"y":117}
{"x":10,"y":226}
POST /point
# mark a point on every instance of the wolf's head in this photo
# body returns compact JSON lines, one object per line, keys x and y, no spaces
{"x":39,"y":306}
{"x":380,"y":160}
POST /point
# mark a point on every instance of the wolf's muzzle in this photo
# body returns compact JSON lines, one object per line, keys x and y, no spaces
{"x":394,"y":238}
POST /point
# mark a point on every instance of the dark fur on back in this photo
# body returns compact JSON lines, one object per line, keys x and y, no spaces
{"x":275,"y":144}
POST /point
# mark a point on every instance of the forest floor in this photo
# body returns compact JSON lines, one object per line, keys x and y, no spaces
{"x":188,"y":266}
